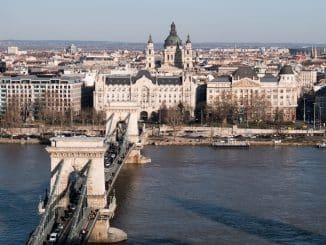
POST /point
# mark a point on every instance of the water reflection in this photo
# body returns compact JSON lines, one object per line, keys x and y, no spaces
{"x":274,"y":231}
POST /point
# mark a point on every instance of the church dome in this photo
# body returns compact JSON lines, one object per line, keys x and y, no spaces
{"x":173,"y":39}
{"x":244,"y":72}
{"x":286,"y":70}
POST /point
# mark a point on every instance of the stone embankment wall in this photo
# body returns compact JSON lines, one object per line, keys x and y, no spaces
{"x":224,"y":132}
{"x":91,"y":130}
{"x":166,"y":140}
{"x":19,"y":141}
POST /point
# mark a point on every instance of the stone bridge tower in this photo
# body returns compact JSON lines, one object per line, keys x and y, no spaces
{"x":76,"y":152}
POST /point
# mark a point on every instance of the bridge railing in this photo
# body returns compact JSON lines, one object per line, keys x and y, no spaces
{"x":48,"y":218}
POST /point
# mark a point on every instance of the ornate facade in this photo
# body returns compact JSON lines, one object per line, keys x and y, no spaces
{"x":174,"y":53}
{"x":146,"y":91}
{"x":275,"y":95}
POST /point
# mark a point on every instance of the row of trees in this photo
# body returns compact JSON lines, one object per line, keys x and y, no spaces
{"x":48,"y":110}
{"x":224,"y":110}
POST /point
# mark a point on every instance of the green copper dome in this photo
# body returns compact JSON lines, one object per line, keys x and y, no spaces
{"x":173,"y":39}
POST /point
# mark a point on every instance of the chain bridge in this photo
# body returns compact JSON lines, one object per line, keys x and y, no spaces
{"x":81,"y":200}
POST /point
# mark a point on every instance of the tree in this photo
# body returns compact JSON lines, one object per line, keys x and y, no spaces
{"x":306,"y":106}
{"x":174,"y":118}
{"x":162,"y":113}
{"x":13,"y":112}
{"x":224,"y":109}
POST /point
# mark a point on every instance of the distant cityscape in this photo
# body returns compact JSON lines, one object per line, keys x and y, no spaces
{"x":207,"y":82}
{"x":205,"y":124}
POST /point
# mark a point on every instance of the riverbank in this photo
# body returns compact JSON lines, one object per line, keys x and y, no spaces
{"x":179,"y":141}
{"x":25,"y":140}
{"x":19,"y":141}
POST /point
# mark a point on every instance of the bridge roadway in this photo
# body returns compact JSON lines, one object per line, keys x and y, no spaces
{"x":111,"y":174}
{"x":74,"y":224}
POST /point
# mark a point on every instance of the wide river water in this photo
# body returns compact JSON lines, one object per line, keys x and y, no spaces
{"x":189,"y":195}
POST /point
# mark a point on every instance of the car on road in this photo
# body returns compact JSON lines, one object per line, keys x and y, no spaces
{"x":53,"y":237}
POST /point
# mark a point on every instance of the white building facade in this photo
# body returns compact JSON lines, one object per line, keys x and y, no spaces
{"x":149,"y":92}
{"x":307,"y":79}
{"x":245,"y":88}
{"x":57,"y":93}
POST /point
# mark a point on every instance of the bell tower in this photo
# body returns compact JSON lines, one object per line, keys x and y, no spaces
{"x":187,"y":57}
{"x":150,"y":55}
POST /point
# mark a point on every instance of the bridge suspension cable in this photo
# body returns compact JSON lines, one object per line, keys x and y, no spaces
{"x":48,"y":218}
{"x":81,"y":210}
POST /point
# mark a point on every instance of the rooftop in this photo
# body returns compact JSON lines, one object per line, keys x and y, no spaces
{"x":69,"y":79}
{"x":286,"y":70}
{"x":269,"y":78}
{"x":244,"y":72}
{"x":173,"y":39}
{"x":128,"y":80}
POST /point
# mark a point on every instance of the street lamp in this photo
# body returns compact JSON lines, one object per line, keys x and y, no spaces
{"x":320,"y":122}
{"x":314,"y":115}
{"x":304,"y":110}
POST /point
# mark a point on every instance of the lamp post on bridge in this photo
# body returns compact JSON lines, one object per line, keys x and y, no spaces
{"x":314,"y":115}
{"x":320,"y":117}
{"x":304,"y":110}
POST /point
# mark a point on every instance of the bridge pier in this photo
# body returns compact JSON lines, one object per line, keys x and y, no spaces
{"x":74,"y":154}
{"x":103,"y":233}
{"x":135,"y":156}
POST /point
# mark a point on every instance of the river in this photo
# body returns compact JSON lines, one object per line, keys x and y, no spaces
{"x":189,"y":195}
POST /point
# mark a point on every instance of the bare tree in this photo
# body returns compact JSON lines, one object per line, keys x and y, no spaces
{"x":174,"y":118}
{"x":223,"y":109}
{"x":13,"y":112}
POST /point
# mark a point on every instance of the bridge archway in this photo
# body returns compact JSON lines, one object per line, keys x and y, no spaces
{"x":144,"y":115}
{"x":118,"y":111}
{"x":154,"y":116}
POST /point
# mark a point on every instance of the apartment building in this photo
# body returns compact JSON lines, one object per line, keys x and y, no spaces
{"x":56,"y":93}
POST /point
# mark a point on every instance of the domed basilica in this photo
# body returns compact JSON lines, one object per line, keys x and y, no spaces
{"x":175,"y":54}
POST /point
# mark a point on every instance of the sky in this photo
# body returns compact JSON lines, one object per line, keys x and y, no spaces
{"x":294,"y":21}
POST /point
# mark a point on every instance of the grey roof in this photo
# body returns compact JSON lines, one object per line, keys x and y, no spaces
{"x":243,"y":72}
{"x":142,"y":73}
{"x":150,"y":40}
{"x":188,"y":39}
{"x":286,"y":70}
{"x":321,"y":92}
{"x":69,"y":79}
{"x":127,"y":80}
{"x":269,"y":78}
{"x":222,"y":79}
{"x":169,"y":80}
{"x":118,"y":80}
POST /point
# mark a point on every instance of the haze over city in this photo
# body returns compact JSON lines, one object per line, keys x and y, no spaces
{"x":291,"y":21}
